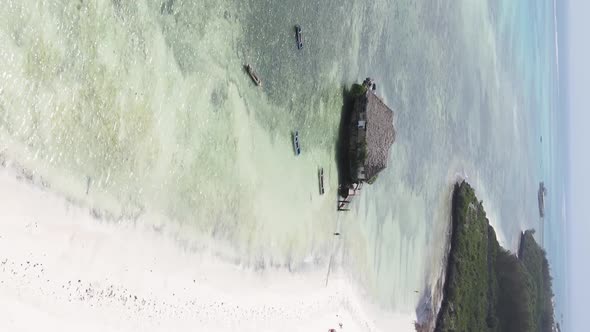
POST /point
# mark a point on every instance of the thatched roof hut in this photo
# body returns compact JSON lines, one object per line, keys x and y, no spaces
{"x":373,"y":134}
{"x":380,"y":134}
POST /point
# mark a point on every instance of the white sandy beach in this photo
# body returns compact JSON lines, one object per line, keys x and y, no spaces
{"x":61,"y":269}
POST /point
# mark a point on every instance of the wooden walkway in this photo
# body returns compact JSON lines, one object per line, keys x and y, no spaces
{"x":344,"y":202}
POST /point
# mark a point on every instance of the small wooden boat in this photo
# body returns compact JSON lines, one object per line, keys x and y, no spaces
{"x":296,"y":143}
{"x":253,"y":75}
{"x":299,"y":36}
{"x":541,"y":197}
{"x":321,"y":180}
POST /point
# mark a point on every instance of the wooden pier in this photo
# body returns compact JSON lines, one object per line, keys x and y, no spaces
{"x":354,"y":190}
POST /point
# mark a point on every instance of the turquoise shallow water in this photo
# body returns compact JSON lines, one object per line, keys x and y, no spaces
{"x":537,"y":58}
{"x":148,"y":103}
{"x":530,"y":27}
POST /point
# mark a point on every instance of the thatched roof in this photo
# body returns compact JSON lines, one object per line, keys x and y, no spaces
{"x":380,"y":133}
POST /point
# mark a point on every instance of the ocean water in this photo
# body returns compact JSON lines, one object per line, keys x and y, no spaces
{"x":535,"y":42}
{"x":143,"y":112}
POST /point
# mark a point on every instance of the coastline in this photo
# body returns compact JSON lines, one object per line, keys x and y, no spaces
{"x":63,"y":267}
{"x":517,"y":287}
{"x":431,"y":303}
{"x":433,"y":296}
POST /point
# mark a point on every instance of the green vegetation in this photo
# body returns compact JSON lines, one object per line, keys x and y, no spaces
{"x":362,"y":152}
{"x":358,"y":90}
{"x":361,"y":158}
{"x":350,"y":160}
{"x":535,"y":261}
{"x":487,"y":288}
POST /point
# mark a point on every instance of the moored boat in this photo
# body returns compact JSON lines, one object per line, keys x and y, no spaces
{"x":296,"y":143}
{"x":299,"y":36}
{"x":321,"y":180}
{"x":541,"y":197}
{"x":253,"y":75}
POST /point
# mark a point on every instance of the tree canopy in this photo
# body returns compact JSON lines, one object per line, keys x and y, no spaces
{"x":488,"y":288}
